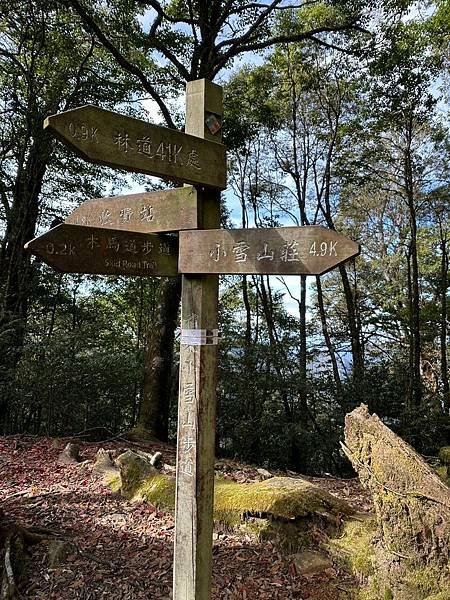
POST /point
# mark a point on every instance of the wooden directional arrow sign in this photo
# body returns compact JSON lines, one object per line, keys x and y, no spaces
{"x":165,"y":210}
{"x":311,"y":250}
{"x":115,"y":140}
{"x":77,"y":249}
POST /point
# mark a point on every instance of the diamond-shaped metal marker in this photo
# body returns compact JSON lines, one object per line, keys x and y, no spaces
{"x":213,"y":124}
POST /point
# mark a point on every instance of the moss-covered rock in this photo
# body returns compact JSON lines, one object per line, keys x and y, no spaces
{"x":134,"y":471}
{"x":308,"y":563}
{"x":284,"y":498}
{"x":443,"y":472}
{"x":279,"y":509}
{"x":444,"y":455}
{"x":104,"y":464}
{"x":158,"y":490}
{"x":354,"y":547}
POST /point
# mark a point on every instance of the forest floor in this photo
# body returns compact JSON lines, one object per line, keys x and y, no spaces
{"x":123,"y":551}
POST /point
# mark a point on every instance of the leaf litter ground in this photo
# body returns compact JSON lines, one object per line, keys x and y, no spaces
{"x":118,"y":550}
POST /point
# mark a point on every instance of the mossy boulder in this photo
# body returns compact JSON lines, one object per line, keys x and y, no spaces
{"x":134,"y":470}
{"x":284,"y":498}
{"x":308,"y":563}
{"x":443,"y":472}
{"x":159,"y":490}
{"x":281,"y":509}
{"x":444,"y":455}
{"x":70,"y":455}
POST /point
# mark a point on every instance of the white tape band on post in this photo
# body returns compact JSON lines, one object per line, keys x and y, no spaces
{"x":199,"y":337}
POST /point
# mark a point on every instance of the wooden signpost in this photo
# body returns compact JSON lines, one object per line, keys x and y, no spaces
{"x":107,"y":138}
{"x":79,"y":249}
{"x":310,"y":250}
{"x":119,"y":236}
{"x":163,"y":210}
{"x":197,"y":389}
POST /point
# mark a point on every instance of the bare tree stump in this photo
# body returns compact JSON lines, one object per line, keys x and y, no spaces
{"x":412,"y":506}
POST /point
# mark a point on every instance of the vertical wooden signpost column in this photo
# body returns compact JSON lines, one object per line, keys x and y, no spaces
{"x":198,"y":373}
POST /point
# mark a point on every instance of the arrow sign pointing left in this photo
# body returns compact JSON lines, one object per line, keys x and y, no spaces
{"x":107,"y":138}
{"x":79,"y":249}
{"x":150,"y":212}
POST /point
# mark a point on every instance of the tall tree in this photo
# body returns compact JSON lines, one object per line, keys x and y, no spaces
{"x":47,"y":64}
{"x":198,"y":40}
{"x":403,"y":134}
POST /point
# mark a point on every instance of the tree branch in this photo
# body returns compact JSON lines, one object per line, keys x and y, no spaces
{"x":90,"y":24}
{"x":246,"y":43}
{"x":163,"y":15}
{"x":251,"y":30}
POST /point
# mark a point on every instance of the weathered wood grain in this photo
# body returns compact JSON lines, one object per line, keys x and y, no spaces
{"x":107,"y":138}
{"x":78,"y":249}
{"x":309,"y":250}
{"x":159,"y":211}
{"x":197,"y":397}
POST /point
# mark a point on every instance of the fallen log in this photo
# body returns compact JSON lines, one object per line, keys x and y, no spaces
{"x":412,"y":506}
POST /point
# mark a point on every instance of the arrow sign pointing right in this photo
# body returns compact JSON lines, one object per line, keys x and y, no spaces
{"x":309,"y":250}
{"x":78,"y":249}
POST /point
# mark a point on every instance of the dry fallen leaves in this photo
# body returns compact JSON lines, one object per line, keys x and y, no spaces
{"x":122,"y":550}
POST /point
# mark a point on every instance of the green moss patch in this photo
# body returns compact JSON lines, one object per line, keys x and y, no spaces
{"x":440,"y":596}
{"x":158,"y":490}
{"x":354,"y":547}
{"x":114,"y":482}
{"x":443,"y":473}
{"x":280,"y":498}
{"x":426,"y":582}
{"x":444,"y":455}
{"x":281,"y":509}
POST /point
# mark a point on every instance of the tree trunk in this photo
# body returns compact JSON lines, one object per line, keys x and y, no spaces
{"x":328,"y":342}
{"x":443,"y":324}
{"x":415,"y":391}
{"x":154,"y":407}
{"x":355,"y":333}
{"x":412,"y":507}
{"x":16,"y":273}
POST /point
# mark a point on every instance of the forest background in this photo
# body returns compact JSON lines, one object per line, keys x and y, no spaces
{"x":336,"y":113}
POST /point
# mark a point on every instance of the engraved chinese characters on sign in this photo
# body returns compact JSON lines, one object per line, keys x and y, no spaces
{"x":310,"y":250}
{"x":108,"y":138}
{"x":187,"y":425}
{"x":78,"y":249}
{"x":164,"y":210}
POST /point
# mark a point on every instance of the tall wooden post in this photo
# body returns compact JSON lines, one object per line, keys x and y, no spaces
{"x":198,"y":377}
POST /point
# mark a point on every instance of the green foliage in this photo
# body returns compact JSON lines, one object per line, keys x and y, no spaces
{"x":81,"y":369}
{"x":246,"y":109}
